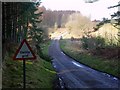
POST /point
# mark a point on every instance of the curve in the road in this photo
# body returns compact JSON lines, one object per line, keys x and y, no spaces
{"x":76,"y":75}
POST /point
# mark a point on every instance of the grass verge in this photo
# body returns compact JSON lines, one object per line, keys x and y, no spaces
{"x":43,"y":49}
{"x":39,"y":73}
{"x":104,"y":65}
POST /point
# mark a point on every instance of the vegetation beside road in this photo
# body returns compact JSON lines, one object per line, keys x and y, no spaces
{"x":39,"y":72}
{"x":43,"y":49}
{"x":110,"y":66}
{"x":23,"y":20}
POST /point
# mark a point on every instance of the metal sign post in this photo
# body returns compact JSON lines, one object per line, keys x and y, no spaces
{"x":24,"y":74}
{"x":24,"y":53}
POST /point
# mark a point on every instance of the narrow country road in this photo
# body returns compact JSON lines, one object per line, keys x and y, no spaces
{"x":76,"y":75}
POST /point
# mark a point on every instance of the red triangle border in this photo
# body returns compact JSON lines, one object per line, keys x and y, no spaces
{"x":24,"y":41}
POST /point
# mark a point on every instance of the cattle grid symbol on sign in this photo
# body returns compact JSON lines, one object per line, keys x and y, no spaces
{"x":24,"y":52}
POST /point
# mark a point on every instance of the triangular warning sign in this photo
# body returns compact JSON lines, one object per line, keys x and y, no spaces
{"x":24,"y":52}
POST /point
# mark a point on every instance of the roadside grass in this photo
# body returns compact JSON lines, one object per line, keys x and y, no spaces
{"x":39,"y":73}
{"x":43,"y":50}
{"x":108,"y":66}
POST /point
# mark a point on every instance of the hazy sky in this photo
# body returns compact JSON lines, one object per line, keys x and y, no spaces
{"x":96,"y":10}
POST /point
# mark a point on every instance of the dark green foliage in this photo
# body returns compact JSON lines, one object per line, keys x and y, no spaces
{"x":84,"y":42}
{"x":100,"y":24}
{"x":42,"y":53}
{"x":116,"y":15}
{"x":116,"y":20}
{"x":16,"y":17}
{"x":100,"y":42}
{"x":98,"y":46}
{"x":93,"y":43}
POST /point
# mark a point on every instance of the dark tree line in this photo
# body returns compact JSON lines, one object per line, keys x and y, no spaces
{"x":55,"y":18}
{"x":19,"y":21}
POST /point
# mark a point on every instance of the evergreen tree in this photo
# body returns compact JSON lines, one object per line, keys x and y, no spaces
{"x":116,"y":20}
{"x":16,"y":17}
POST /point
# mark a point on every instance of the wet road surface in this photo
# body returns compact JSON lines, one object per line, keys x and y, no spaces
{"x":75,"y":75}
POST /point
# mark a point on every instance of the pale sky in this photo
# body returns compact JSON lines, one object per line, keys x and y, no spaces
{"x":96,"y":10}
